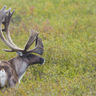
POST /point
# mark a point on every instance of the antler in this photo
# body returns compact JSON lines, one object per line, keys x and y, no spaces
{"x":3,"y":13}
{"x":38,"y":43}
{"x":38,"y":47}
{"x":6,"y":24}
{"x":3,"y":16}
{"x":31,"y":40}
{"x":33,"y":37}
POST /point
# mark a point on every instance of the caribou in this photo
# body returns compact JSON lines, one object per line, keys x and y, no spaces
{"x":12,"y":71}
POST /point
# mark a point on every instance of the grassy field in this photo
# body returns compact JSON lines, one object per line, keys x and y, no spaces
{"x":68,"y":31}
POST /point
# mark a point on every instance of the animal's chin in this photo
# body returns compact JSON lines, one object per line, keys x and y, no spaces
{"x":42,"y":61}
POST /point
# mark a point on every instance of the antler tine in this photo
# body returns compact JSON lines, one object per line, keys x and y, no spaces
{"x":39,"y":49}
{"x":3,"y":13}
{"x":7,"y":20}
{"x":31,"y":39}
{"x":3,"y":8}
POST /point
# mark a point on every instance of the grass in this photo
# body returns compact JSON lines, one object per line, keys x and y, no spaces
{"x":68,"y":31}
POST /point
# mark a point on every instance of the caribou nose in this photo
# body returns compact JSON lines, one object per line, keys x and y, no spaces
{"x":42,"y":61}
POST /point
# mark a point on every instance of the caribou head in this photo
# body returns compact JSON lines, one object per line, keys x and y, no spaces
{"x":11,"y":71}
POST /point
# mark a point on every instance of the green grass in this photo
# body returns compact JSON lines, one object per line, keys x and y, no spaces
{"x":68,"y":31}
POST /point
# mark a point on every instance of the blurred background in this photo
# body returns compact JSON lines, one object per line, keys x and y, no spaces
{"x":68,"y":31}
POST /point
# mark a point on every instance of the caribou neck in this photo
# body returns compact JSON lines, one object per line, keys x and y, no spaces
{"x":20,"y":64}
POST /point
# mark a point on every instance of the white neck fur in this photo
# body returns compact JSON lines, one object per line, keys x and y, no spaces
{"x":3,"y":78}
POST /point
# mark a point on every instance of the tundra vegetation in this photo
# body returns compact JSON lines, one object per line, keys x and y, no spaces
{"x":68,"y":31}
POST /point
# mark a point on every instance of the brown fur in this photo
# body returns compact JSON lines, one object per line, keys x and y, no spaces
{"x":11,"y":72}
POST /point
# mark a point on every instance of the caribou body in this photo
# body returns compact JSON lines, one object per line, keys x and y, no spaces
{"x":12,"y":71}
